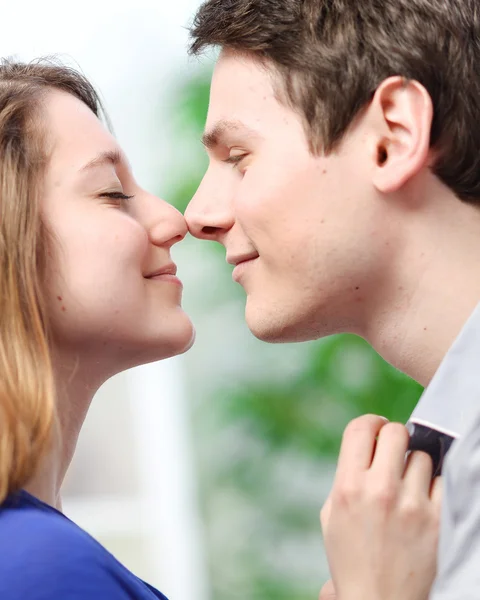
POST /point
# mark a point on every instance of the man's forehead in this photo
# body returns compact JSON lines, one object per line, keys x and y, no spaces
{"x":243,"y":97}
{"x":237,"y":77}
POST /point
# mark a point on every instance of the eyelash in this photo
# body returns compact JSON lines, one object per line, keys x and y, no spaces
{"x":234,"y":160}
{"x":117,"y":196}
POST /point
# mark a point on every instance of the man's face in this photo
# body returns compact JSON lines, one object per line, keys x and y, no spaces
{"x":309,"y":233}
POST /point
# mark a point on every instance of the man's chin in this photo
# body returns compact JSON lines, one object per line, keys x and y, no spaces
{"x":275,"y":329}
{"x":292,"y":323}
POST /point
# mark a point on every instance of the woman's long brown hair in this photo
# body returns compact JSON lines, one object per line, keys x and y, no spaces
{"x":27,"y":390}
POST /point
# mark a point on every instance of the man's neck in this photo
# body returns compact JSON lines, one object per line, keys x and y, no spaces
{"x":434,"y":290}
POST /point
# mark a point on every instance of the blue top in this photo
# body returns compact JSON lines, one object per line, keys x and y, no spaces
{"x":45,"y":556}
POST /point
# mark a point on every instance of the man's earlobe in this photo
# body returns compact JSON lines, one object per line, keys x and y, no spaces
{"x":404,"y":110}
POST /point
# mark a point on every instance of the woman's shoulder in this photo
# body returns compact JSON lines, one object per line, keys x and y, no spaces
{"x":28,"y":525}
{"x":45,"y":556}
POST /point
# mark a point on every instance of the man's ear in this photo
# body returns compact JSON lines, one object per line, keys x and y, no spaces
{"x":403,"y":110}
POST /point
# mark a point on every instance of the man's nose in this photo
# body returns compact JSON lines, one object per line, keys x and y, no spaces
{"x":208,"y":216}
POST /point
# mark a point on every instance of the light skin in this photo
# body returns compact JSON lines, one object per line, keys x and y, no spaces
{"x":381,"y":521}
{"x":344,"y":242}
{"x":365,"y":240}
{"x":112,"y":296}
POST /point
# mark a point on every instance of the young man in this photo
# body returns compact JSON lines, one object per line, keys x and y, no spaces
{"x":344,"y":183}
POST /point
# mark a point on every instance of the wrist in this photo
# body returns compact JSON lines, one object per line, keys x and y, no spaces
{"x":358,"y":594}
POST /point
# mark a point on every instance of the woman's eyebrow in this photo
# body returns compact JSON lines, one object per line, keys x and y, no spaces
{"x":108,"y":157}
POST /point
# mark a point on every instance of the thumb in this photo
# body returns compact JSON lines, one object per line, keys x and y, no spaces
{"x":325,"y":515}
{"x":328,"y":592}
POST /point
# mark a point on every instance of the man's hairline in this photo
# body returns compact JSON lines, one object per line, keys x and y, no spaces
{"x":278,"y":82}
{"x":281,"y":95}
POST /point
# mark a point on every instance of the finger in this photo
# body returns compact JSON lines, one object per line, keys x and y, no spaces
{"x":392,"y":444}
{"x":418,"y":474}
{"x":325,"y":514}
{"x":358,"y":444}
{"x":328,"y":591}
{"x":436,"y":493}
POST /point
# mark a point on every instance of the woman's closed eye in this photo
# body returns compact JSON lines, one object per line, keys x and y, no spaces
{"x":117,"y":198}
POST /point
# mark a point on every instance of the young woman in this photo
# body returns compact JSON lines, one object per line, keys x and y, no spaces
{"x":87,"y":289}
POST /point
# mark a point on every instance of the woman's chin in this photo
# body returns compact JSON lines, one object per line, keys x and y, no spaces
{"x":140,"y":346}
{"x":178,"y":340}
{"x":186,"y":340}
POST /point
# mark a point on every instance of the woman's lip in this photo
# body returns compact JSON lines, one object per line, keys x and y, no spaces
{"x":167,"y":278}
{"x":240,"y":268}
{"x":170,"y":269}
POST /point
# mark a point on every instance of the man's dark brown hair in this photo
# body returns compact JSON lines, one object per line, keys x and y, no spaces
{"x":332,"y":55}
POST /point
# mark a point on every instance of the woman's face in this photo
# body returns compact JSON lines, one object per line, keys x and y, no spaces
{"x":105,"y":303}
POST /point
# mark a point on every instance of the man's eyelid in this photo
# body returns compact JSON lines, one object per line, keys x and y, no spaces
{"x":237,"y":151}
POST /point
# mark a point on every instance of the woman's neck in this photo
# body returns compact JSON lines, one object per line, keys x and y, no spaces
{"x":74,"y":395}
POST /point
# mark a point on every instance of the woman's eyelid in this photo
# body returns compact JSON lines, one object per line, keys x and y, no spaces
{"x":118,"y":184}
{"x":110,"y":190}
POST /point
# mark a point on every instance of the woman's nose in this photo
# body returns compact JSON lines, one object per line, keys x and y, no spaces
{"x":169,"y":225}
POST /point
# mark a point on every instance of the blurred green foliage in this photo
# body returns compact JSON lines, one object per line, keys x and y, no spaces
{"x":274,"y":437}
{"x":342,"y":376}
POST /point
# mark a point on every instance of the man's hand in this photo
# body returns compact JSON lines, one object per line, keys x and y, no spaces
{"x":382,"y":517}
{"x":328,"y":591}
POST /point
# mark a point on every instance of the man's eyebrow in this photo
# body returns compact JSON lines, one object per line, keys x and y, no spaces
{"x":109,"y":157}
{"x":213,"y":138}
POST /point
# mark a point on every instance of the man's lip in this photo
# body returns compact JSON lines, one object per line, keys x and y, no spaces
{"x":170,"y":269}
{"x":237,"y":260}
{"x":240,"y":268}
